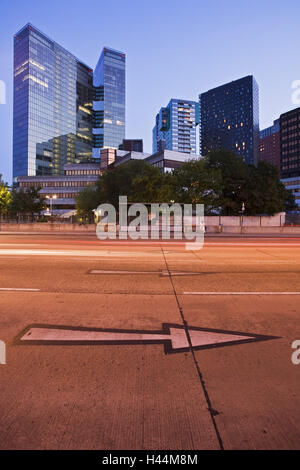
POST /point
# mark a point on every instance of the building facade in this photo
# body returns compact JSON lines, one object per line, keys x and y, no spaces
{"x":290,"y":151}
{"x":269,"y":145}
{"x":175,"y":127}
{"x":132,"y":145}
{"x":290,"y":144}
{"x":60,"y":191}
{"x":52,"y":106}
{"x":109,"y":101}
{"x":230,"y":119}
{"x":169,"y":160}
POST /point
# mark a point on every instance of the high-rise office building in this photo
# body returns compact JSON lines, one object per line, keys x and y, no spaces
{"x":290,"y":143}
{"x":290,"y":151}
{"x":230,"y":119}
{"x":269,"y":145}
{"x":175,"y":127}
{"x":109,"y":101}
{"x":52,"y":106}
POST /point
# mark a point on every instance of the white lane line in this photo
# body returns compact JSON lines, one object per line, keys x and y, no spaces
{"x":161,"y":272}
{"x":222,"y":244}
{"x":241,"y":293}
{"x":74,"y":253}
{"x":100,"y":271}
{"x":19,"y":289}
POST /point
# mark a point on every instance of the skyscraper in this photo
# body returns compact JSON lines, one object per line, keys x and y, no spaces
{"x":109,"y":101}
{"x":52,"y":106}
{"x":175,"y":127}
{"x":230,"y":119}
{"x":290,"y":143}
{"x":269,"y":144}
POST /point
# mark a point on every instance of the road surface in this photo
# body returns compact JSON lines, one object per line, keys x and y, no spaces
{"x":112,"y":378}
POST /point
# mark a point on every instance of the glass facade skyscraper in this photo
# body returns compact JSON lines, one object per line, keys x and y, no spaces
{"x":109,"y":101}
{"x":53,"y":94}
{"x":230,"y":119}
{"x":175,"y":127}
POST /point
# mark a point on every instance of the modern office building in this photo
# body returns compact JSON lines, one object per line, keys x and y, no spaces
{"x":52,"y":106}
{"x":230,"y":119}
{"x":165,"y":160}
{"x":290,"y":144}
{"x":132,"y":145}
{"x":175,"y":127}
{"x":60,"y":191}
{"x":290,"y":151}
{"x":169,"y":160}
{"x":109,"y":101}
{"x":269,"y":145}
{"x":293,"y":184}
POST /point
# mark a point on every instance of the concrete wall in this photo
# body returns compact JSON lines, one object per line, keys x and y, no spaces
{"x":277,"y":220}
{"x":229,"y":225}
{"x":46,"y":227}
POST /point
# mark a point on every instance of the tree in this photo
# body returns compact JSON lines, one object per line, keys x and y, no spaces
{"x":27,"y":202}
{"x":86,"y":201}
{"x":195,"y":183}
{"x":259,"y":188}
{"x":137,"y":180}
{"x":233,"y":173}
{"x":263,"y":193}
{"x":5,"y":198}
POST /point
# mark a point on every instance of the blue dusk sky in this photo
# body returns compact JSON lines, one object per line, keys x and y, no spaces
{"x":175,"y":49}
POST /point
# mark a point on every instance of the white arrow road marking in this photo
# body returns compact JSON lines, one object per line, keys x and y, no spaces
{"x":174,"y":337}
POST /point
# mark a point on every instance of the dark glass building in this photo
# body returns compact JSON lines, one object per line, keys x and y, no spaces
{"x":230,"y":119}
{"x":269,"y":145}
{"x":290,"y":144}
{"x":109,"y":101}
{"x":132,"y":145}
{"x":52,"y":106}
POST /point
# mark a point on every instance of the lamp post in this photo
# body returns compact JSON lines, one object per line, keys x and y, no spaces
{"x":51,"y":201}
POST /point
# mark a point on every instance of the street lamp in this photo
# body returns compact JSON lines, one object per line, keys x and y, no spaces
{"x":51,"y":201}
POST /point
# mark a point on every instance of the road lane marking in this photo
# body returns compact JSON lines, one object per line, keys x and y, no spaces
{"x":241,"y":293}
{"x":163,"y":273}
{"x":74,"y":253}
{"x":100,"y":271}
{"x":175,"y":338}
{"x":18,"y":289}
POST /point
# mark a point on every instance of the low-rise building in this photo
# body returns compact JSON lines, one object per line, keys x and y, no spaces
{"x":60,"y":191}
{"x":294,"y":185}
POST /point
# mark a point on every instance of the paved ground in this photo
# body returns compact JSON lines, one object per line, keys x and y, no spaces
{"x":146,"y":396}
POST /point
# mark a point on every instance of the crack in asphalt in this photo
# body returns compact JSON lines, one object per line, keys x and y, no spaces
{"x":212,"y":411}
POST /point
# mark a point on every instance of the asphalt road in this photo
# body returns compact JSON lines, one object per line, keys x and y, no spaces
{"x":128,"y":371}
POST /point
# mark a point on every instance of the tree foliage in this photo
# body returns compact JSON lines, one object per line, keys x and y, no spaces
{"x":222,"y":181}
{"x":27,"y":202}
{"x":5,"y":198}
{"x":86,"y":202}
{"x":137,"y":180}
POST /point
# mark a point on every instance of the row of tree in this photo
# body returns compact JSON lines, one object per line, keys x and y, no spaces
{"x":222,"y":181}
{"x":20,"y":203}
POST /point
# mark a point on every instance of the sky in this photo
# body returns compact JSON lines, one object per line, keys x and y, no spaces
{"x":175,"y":49}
